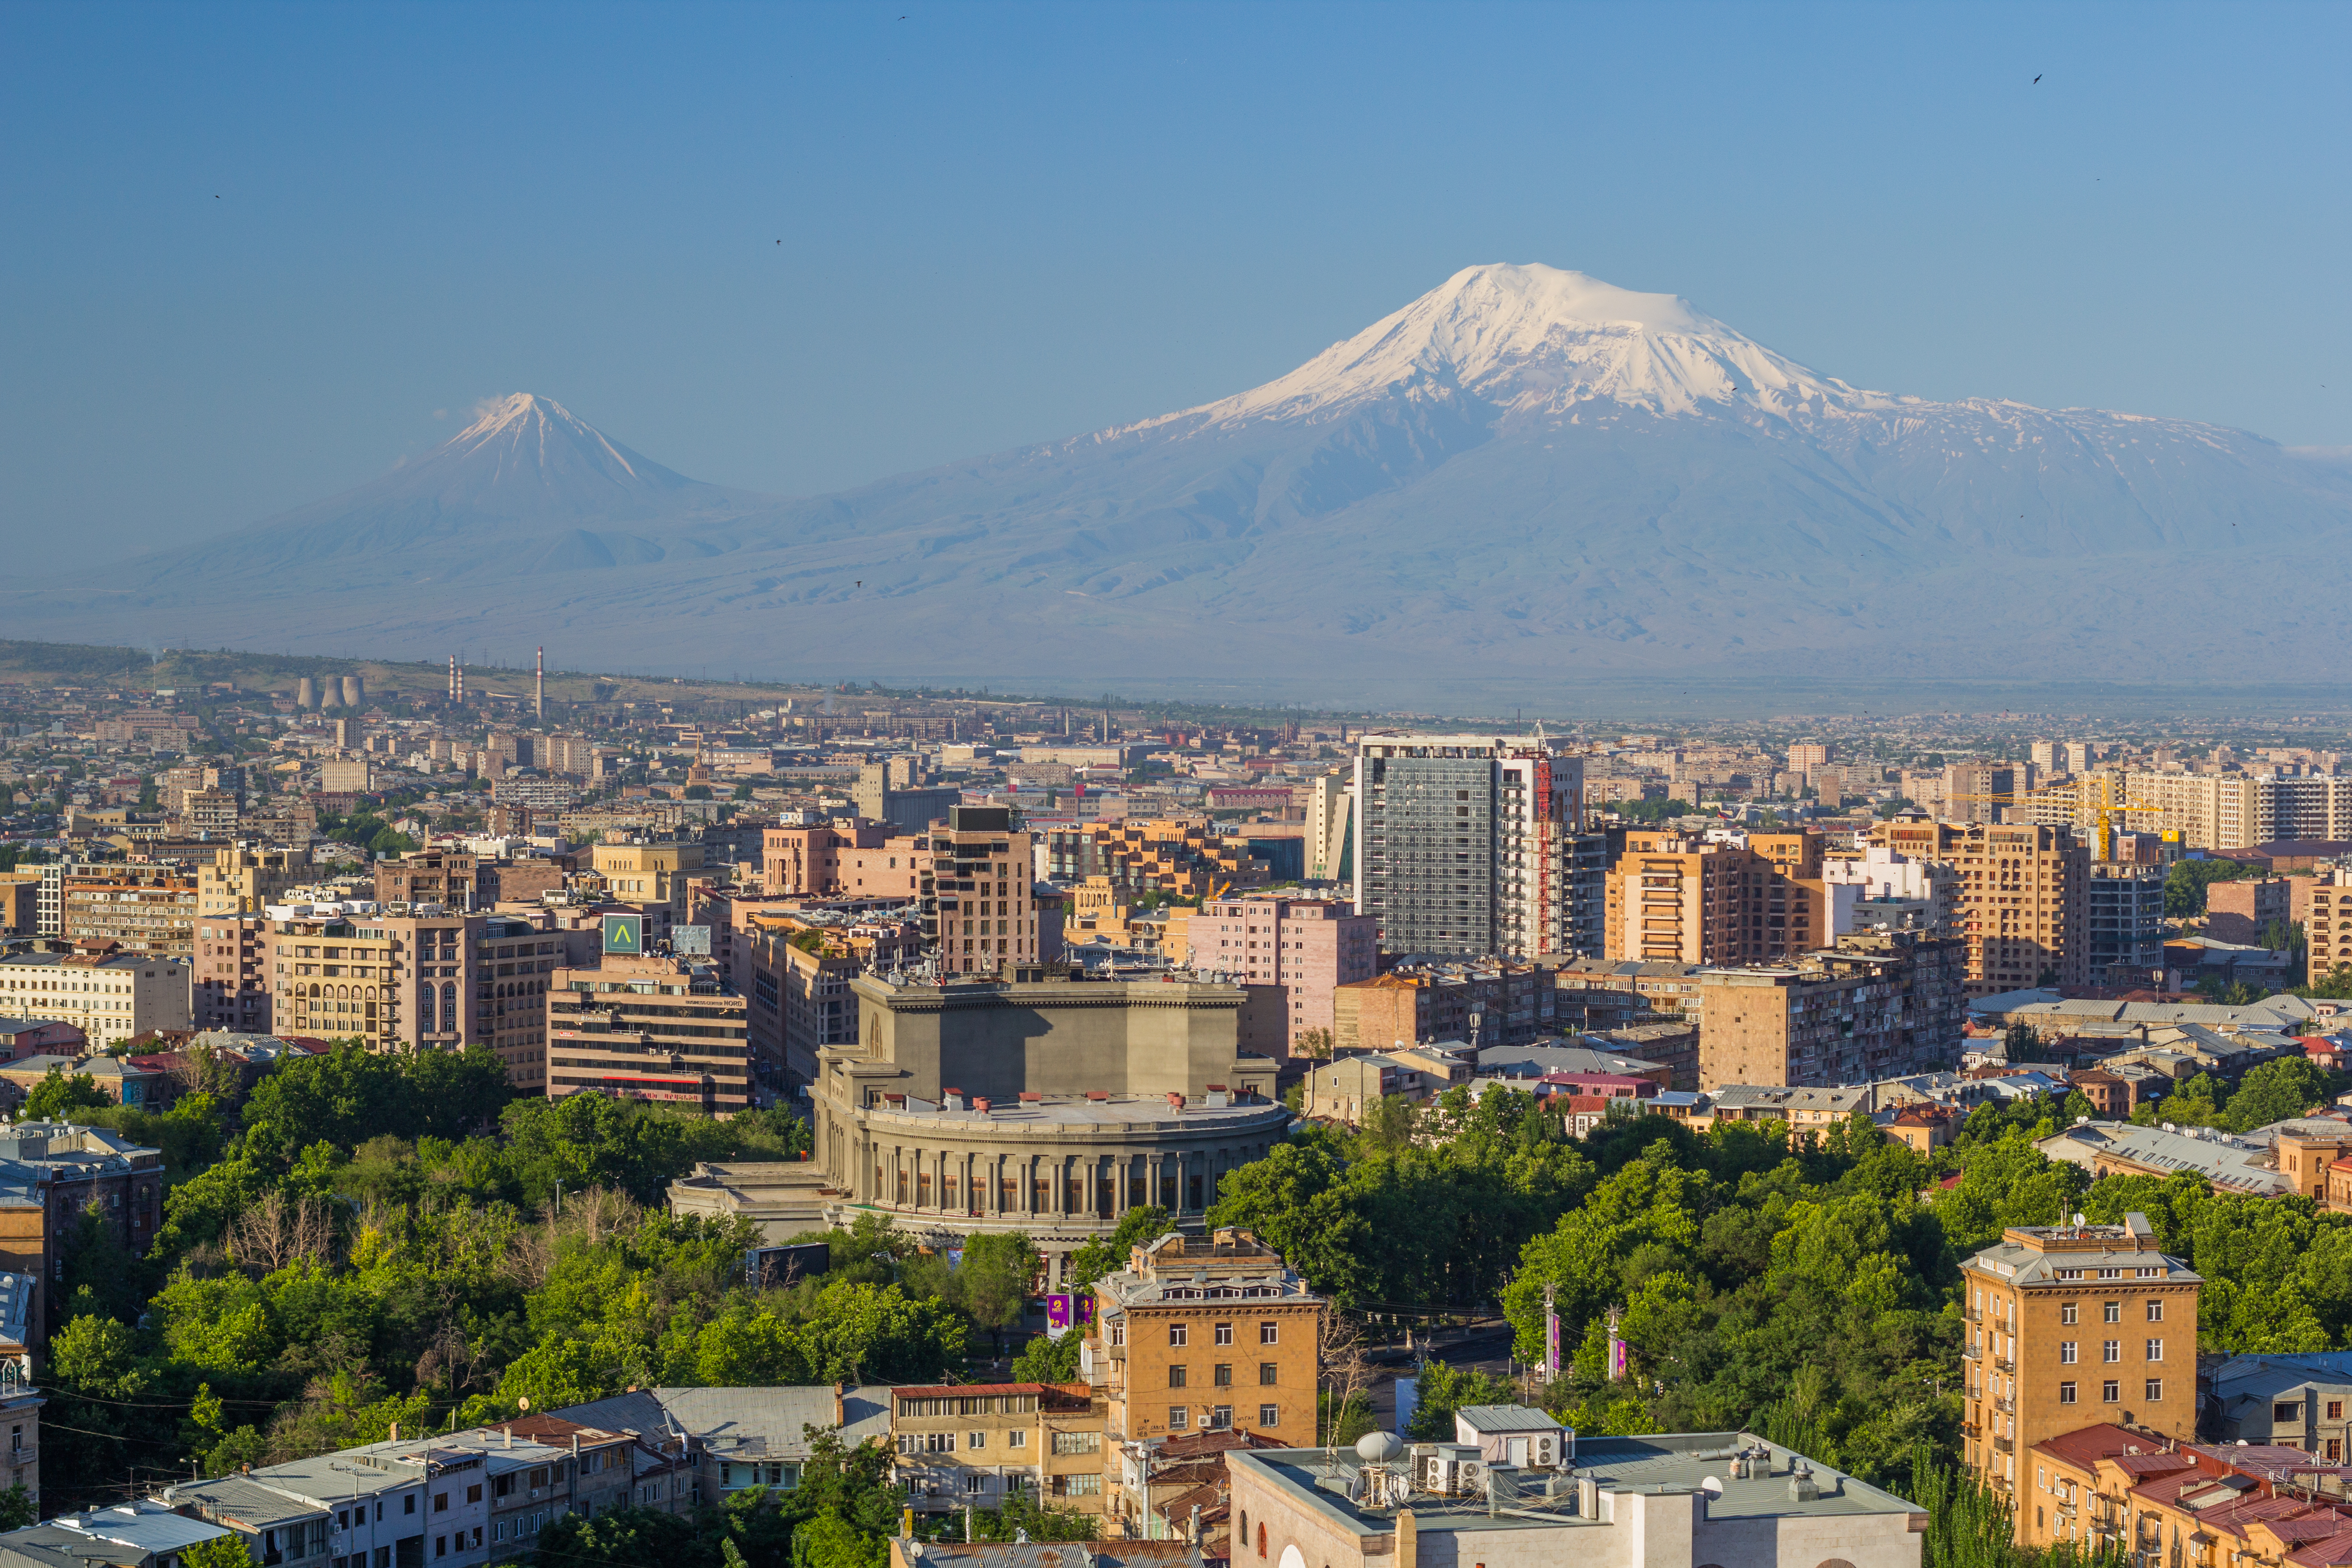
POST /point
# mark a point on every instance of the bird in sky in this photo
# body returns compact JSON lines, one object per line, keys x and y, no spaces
{"x":2037,"y":80}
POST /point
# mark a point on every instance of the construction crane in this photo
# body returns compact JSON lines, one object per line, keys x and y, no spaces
{"x":2104,"y":810}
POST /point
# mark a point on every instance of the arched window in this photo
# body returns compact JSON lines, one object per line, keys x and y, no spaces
{"x":1261,"y":1540}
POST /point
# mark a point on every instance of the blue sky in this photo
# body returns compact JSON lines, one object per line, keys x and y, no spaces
{"x":248,"y":252}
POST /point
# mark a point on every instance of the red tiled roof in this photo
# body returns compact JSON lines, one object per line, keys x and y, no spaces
{"x":2086,"y":1447}
{"x":2331,"y":1553}
{"x":971,"y":1390}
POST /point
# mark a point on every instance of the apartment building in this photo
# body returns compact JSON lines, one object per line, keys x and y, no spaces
{"x":1879,"y":1005}
{"x":2243,"y":910}
{"x":1467,"y":843}
{"x":868,"y":860}
{"x":1758,"y":898}
{"x":242,"y":877}
{"x":649,"y":1028}
{"x":2217,"y":811}
{"x":108,"y":995}
{"x":1176,"y":856}
{"x":1293,"y":953}
{"x":2070,"y":1326}
{"x":978,"y":903}
{"x":2124,"y":917}
{"x":20,"y":903}
{"x":795,"y":983}
{"x":1330,"y":802}
{"x":1490,"y":1004}
{"x":981,"y":1445}
{"x":1975,"y":791}
{"x":230,"y":972}
{"x":149,"y":910}
{"x":515,"y":962}
{"x":2323,"y":905}
{"x":649,"y":873}
{"x":444,"y":876}
{"x":403,"y":977}
{"x":1202,"y":1334}
{"x":2024,"y":902}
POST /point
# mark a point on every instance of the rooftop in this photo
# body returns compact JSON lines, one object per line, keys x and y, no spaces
{"x":1668,"y":1463}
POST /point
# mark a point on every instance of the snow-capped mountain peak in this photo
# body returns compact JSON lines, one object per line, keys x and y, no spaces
{"x":1537,"y":338}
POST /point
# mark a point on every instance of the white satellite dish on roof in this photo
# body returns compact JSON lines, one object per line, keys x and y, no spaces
{"x":2078,"y":1217}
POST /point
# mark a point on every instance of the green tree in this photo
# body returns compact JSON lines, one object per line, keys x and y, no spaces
{"x":994,"y":1281}
{"x":2275,"y":1091}
{"x":625,"y":1537}
{"x":57,"y":1096}
{"x":17,"y":1510}
{"x":221,"y":1552}
{"x":1439,"y":1390}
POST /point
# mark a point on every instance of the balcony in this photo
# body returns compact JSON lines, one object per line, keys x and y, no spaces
{"x":2004,"y":1444}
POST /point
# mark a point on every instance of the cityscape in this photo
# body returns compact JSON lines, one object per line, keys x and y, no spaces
{"x":1292,"y":722}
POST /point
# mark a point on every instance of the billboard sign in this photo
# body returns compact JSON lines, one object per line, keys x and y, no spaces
{"x":1058,"y":1316}
{"x":625,"y":933}
{"x":768,"y":1267}
{"x":690,"y":939}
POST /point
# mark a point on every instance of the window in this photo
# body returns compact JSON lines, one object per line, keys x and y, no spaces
{"x":2114,"y":1311}
{"x":1225,"y":1333}
{"x":2111,"y":1350}
{"x":975,"y":1440}
{"x":2066,"y":1353}
{"x":1269,"y":1415}
{"x":1016,"y":1438}
{"x":2155,"y":1311}
{"x":1224,"y":1374}
{"x":1176,"y":1333}
{"x":1269,"y":1334}
{"x":1221,"y":1418}
{"x":407,"y":1504}
{"x":1176,"y":1417}
{"x":2156,"y":1390}
{"x":1266,"y":1374}
{"x":2335,"y":1410}
{"x":1176,"y":1377}
{"x":1078,"y":1442}
{"x":2287,"y":1410}
{"x":2065,"y":1394}
{"x":1118,"y":1330}
{"x":2068,"y":1312}
{"x":474,"y":1493}
{"x":440,"y":1546}
{"x":2156,"y":1350}
{"x":2111,"y":1392}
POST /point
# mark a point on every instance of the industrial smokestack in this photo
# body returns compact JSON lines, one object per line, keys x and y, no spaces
{"x":538,"y":689}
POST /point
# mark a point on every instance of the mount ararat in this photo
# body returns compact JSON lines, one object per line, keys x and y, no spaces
{"x":1524,"y":482}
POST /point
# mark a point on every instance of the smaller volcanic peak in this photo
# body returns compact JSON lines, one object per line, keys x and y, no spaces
{"x":530,"y":457}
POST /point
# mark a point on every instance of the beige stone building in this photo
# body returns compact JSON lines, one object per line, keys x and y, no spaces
{"x":2023,"y":901}
{"x":2067,"y":1327}
{"x":1879,"y":1005}
{"x":1051,"y":1108}
{"x":1200,"y":1334}
{"x":1679,"y":899}
{"x":244,"y":877}
{"x":648,"y":1026}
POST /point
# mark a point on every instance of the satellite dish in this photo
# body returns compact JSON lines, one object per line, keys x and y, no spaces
{"x":1712,"y":1486}
{"x":2078,"y":1217}
{"x":524,"y":1402}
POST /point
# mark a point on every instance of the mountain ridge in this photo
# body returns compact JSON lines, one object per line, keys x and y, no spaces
{"x":1523,"y":474}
